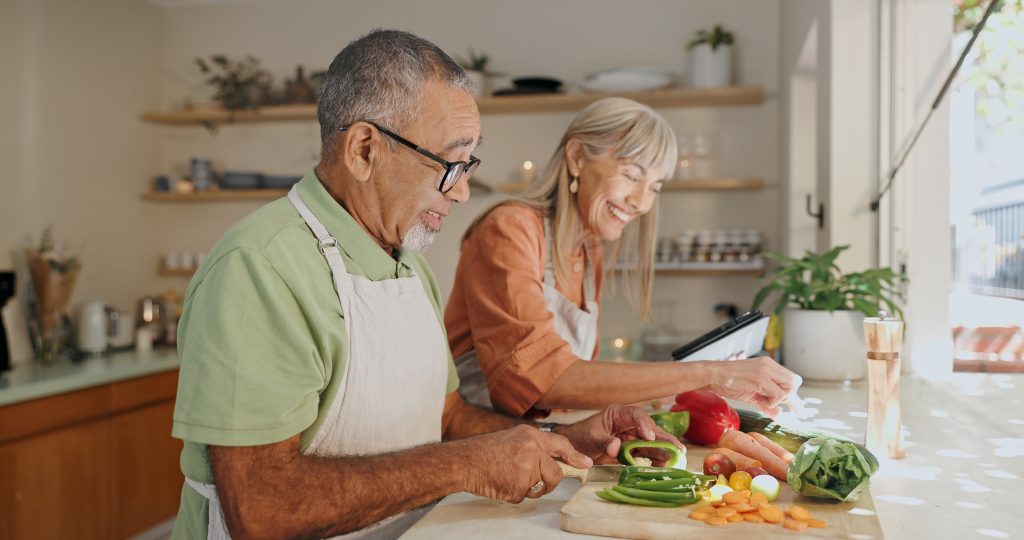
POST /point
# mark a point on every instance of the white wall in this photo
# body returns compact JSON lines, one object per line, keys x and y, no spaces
{"x":75,"y":76}
{"x":919,"y":231}
{"x":566,"y":39}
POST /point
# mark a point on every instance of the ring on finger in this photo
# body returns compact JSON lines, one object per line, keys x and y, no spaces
{"x":538,"y":487}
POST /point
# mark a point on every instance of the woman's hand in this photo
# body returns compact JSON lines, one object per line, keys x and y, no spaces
{"x":759,"y":381}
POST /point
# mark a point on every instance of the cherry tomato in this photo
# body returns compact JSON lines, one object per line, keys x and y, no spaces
{"x":719,"y":464}
{"x":740,"y":480}
{"x":754,"y":472}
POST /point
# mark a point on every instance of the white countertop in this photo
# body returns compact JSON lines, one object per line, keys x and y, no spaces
{"x":961,"y":477}
{"x":36,"y":380}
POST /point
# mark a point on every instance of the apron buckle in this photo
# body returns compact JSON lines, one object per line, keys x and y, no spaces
{"x":327,"y":242}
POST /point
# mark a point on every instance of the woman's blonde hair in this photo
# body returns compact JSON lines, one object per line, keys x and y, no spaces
{"x":630,"y":131}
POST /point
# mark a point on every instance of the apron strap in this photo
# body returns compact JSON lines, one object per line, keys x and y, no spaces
{"x":217,"y":529}
{"x":328,"y":244}
{"x":589,"y":286}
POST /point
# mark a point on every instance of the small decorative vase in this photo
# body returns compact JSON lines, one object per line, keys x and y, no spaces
{"x":480,"y":83}
{"x":710,"y":68}
{"x":824,"y":346}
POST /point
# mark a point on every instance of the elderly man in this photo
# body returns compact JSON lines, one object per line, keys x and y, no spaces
{"x":316,"y":382}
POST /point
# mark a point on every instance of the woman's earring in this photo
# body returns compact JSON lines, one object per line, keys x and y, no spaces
{"x":574,"y":186}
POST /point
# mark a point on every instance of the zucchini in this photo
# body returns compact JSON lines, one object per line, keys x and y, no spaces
{"x":789,"y":438}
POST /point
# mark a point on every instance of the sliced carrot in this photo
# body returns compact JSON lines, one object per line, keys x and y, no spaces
{"x":746,"y":445}
{"x":753,"y":518}
{"x":742,"y":461}
{"x":772,"y":446}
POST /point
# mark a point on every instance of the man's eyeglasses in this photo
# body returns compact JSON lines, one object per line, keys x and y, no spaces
{"x":453,"y":170}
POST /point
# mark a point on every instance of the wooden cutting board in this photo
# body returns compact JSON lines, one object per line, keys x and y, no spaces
{"x":586,"y":513}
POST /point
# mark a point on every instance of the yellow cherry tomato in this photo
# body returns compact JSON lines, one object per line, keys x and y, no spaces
{"x":740,"y":480}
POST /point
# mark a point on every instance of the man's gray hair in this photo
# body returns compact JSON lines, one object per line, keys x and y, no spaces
{"x":379,"y":78}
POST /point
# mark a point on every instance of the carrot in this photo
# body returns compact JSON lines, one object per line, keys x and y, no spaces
{"x":772,"y":446}
{"x":741,"y":461}
{"x":746,"y":445}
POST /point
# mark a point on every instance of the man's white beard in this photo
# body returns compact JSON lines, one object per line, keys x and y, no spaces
{"x":418,"y":238}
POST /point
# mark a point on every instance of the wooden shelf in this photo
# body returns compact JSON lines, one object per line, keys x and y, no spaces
{"x":177,"y":272}
{"x":671,"y":97}
{"x":213,"y":115}
{"x":715,"y":184}
{"x":219,"y":195}
{"x":709,"y":272}
{"x":696,"y":184}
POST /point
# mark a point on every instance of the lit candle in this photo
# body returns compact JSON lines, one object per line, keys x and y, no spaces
{"x":620,"y":345}
{"x":527,"y":172}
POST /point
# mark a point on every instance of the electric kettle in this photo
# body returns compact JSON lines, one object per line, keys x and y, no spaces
{"x":96,"y":323}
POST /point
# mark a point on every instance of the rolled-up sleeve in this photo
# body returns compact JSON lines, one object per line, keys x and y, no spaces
{"x":500,"y":277}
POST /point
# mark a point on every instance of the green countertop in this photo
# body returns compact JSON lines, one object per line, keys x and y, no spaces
{"x":36,"y":380}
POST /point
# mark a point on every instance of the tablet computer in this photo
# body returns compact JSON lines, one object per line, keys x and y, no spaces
{"x":738,"y":338}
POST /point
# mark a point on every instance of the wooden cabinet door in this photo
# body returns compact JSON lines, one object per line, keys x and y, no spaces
{"x":147,"y":478}
{"x":57,"y":485}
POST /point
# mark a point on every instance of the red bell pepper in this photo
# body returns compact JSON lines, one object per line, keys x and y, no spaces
{"x":710,"y":416}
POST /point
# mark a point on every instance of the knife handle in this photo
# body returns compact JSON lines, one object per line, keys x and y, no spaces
{"x":569,"y":471}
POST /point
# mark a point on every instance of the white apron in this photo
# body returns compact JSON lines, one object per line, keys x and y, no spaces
{"x":578,"y":327}
{"x":396,"y":347}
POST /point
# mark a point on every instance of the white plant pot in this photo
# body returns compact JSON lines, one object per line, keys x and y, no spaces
{"x":480,"y":82}
{"x":824,"y":346}
{"x":710,"y":68}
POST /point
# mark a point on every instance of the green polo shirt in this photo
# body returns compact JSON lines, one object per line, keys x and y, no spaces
{"x":262,"y":337}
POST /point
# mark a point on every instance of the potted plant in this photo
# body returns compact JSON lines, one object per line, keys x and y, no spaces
{"x":711,"y":58}
{"x":822,"y":312}
{"x":476,"y":68}
{"x":239,"y":85}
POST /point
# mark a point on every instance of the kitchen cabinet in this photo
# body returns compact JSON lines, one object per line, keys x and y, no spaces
{"x":92,"y":463}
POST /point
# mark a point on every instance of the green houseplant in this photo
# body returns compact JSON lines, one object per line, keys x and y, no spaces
{"x":476,"y":67}
{"x":822,"y":311}
{"x":239,"y":84}
{"x":815,"y":282}
{"x":716,"y":37}
{"x":711,"y":57}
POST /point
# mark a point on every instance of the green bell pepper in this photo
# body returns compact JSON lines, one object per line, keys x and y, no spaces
{"x":675,"y":423}
{"x":610,"y":494}
{"x":682,"y":497}
{"x":675,"y":454}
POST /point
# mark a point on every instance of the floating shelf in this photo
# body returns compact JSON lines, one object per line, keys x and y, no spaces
{"x":754,"y":267}
{"x":696,"y":184}
{"x":176,"y":272}
{"x":219,"y":195}
{"x":671,"y":97}
{"x":715,"y":184}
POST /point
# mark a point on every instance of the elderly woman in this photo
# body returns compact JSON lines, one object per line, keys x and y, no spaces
{"x":523,"y":315}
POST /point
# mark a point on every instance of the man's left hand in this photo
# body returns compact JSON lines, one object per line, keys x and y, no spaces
{"x":601,"y":435}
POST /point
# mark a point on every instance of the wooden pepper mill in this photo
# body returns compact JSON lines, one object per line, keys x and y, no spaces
{"x":884,"y":338}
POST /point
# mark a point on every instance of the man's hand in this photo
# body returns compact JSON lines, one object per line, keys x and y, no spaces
{"x":601,"y":435}
{"x":759,"y":381}
{"x":507,"y":463}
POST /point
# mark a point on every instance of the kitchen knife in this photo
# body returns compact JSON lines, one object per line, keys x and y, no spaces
{"x":597,"y":473}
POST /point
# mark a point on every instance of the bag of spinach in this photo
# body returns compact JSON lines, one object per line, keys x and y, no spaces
{"x":831,"y":469}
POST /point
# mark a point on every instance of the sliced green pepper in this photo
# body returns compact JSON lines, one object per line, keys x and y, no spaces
{"x":633,"y":473}
{"x":696,"y":482}
{"x":675,"y":423}
{"x":675,"y":454}
{"x":683,"y":497}
{"x":610,"y":494}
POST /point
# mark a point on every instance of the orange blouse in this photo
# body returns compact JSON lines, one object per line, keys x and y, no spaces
{"x":497,"y":306}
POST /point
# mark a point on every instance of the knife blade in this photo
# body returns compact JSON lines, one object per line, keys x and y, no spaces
{"x":596,"y":473}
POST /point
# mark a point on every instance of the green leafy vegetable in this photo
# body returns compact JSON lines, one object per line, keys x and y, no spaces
{"x":831,"y":469}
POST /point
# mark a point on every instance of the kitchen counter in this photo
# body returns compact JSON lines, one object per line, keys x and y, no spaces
{"x":961,"y":477}
{"x":36,"y":380}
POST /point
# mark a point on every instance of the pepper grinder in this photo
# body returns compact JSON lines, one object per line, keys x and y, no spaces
{"x":884,"y":338}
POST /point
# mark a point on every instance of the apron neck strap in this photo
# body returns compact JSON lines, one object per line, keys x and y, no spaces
{"x":549,"y":268}
{"x":328,"y":244}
